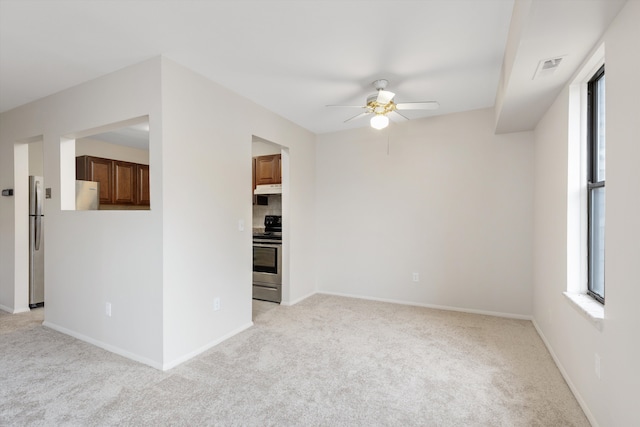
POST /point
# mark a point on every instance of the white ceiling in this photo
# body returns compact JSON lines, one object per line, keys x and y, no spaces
{"x":295,"y":57}
{"x":136,"y":136}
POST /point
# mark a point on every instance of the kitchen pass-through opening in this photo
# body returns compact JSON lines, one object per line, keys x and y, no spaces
{"x":106,"y":168}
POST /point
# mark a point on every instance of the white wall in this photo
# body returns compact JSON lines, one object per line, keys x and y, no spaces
{"x":160,"y":269}
{"x":207,"y":190}
{"x":14,"y":253}
{"x":95,"y":147}
{"x":445,"y":197}
{"x":261,"y":148}
{"x":91,"y":257}
{"x":206,"y":182}
{"x":36,"y":161}
{"x":298,"y":201}
{"x":613,"y":399}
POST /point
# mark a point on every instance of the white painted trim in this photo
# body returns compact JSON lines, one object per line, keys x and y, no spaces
{"x":588,"y":307}
{"x":182,"y":359}
{"x":141,"y":359}
{"x":577,"y":166}
{"x":105,"y":346}
{"x":565,"y":375}
{"x":437,"y":307}
{"x":14,"y":311}
{"x":294,"y":302}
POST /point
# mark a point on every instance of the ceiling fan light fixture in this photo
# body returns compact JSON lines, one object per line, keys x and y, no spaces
{"x":382,"y":103}
{"x":379,"y":121}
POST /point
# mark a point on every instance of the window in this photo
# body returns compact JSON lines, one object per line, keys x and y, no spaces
{"x":595,"y":184}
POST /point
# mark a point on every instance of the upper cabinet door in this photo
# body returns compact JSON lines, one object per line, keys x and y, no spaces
{"x":268,"y":169}
{"x":143,"y":196}
{"x":124,"y":182}
{"x":90,"y":168}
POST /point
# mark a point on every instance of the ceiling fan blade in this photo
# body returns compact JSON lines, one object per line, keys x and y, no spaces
{"x":428,"y":105}
{"x":357,"y":116}
{"x":384,"y":97}
{"x":397,"y":117}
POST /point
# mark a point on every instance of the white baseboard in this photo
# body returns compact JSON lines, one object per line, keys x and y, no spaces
{"x":14,"y":311}
{"x":296,"y":301}
{"x":105,"y":346}
{"x":190,"y":355}
{"x":142,"y":359}
{"x":434,"y":306}
{"x":566,"y":377}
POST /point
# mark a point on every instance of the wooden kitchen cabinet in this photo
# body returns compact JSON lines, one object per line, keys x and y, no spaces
{"x":253,"y":173}
{"x":124,"y":183}
{"x":267,"y":169}
{"x":143,"y":195}
{"x":90,"y":168}
{"x":121,"y":183}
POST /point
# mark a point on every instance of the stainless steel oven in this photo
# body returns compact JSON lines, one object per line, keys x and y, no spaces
{"x":267,"y":261}
{"x":267,"y":271}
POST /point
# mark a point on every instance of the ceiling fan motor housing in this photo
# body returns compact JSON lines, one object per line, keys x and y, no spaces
{"x":380,"y":84}
{"x":375,"y":107}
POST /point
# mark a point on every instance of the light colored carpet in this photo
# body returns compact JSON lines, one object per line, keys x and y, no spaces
{"x":327,"y":361}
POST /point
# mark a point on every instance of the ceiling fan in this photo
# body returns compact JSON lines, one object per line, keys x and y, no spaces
{"x":382,"y":106}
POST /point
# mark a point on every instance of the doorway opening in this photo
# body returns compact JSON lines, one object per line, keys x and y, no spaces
{"x":29,"y":227}
{"x":270,"y":224}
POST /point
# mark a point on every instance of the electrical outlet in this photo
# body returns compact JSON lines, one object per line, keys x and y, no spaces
{"x":597,"y":365}
{"x":241,"y":225}
{"x":416,"y":277}
{"x":216,"y":304}
{"x":107,"y":309}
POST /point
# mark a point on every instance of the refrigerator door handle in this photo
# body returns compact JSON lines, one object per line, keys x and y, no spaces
{"x":38,"y":212}
{"x":38,"y":198}
{"x":37,"y":223}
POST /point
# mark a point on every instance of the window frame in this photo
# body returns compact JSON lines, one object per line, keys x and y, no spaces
{"x":594,"y":183}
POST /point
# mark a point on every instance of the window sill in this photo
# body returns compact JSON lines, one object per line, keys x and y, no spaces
{"x":590,"y":309}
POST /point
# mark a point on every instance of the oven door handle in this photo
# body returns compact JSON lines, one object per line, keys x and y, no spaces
{"x":267,"y":245}
{"x":266,"y":287}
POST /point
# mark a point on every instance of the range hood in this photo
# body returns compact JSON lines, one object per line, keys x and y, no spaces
{"x":268,"y":189}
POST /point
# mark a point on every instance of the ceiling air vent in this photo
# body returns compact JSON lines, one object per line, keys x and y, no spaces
{"x":546,"y":67}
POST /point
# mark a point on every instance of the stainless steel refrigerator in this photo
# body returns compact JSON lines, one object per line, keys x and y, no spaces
{"x":87,"y":195}
{"x":36,"y":241}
